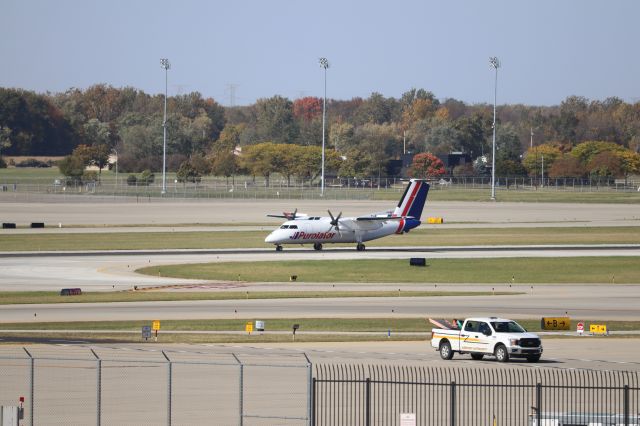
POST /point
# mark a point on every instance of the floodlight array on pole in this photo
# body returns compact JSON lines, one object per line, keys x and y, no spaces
{"x":324,"y":63}
{"x":164,"y":63}
{"x":495,"y":64}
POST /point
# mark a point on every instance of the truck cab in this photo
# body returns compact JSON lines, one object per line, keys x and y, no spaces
{"x":500,"y":337}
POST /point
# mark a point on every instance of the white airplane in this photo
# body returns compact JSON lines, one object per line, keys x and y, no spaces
{"x":304,"y":229}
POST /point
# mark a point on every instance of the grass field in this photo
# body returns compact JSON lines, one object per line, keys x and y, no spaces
{"x":47,"y":297}
{"x":522,"y":270}
{"x":433,"y":236}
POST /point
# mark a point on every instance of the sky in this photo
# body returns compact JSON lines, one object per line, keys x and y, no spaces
{"x":242,"y":50}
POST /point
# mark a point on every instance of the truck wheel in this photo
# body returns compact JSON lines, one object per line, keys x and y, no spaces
{"x":445,"y":350}
{"x":533,"y":358}
{"x":477,"y":357}
{"x":501,"y":353}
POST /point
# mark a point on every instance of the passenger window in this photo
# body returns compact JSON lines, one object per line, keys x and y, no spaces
{"x":471,"y":326}
{"x":485,"y":329}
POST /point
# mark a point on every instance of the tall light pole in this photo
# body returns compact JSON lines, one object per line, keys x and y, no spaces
{"x":114,"y":150}
{"x":495,"y":64}
{"x":324,"y":63}
{"x":164,"y":63}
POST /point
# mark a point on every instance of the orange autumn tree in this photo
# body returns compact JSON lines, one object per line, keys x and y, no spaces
{"x":426,"y":165}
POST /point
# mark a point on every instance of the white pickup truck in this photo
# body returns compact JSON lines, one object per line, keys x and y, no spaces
{"x":500,"y":337}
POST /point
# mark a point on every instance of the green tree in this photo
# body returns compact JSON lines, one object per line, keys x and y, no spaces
{"x":274,"y":120}
{"x":533,"y":158}
{"x":586,"y":151}
{"x":72,"y":166}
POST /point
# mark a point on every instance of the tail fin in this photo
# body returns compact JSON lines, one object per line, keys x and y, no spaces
{"x":413,"y":199}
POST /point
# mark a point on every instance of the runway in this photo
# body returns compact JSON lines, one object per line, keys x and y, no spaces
{"x":114,"y":270}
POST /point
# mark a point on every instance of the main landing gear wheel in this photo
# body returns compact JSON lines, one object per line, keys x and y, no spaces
{"x":317,"y":246}
{"x":278,"y":247}
{"x":360,"y":247}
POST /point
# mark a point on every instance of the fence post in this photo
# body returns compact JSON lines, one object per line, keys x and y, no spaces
{"x":538,"y":404}
{"x":453,"y":403}
{"x":626,"y":405}
{"x":169,"y":387}
{"x":241,"y":388}
{"x":98,"y":389}
{"x":309,"y":388}
{"x":31,"y":385}
{"x":367,"y":414}
{"x":313,"y":403}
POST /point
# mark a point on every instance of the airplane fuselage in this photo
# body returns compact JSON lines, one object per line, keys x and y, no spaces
{"x":311,"y":230}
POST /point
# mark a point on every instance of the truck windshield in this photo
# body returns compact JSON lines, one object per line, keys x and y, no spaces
{"x":507,"y":327}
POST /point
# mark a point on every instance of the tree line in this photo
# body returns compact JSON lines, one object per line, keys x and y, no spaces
{"x":579,"y":137}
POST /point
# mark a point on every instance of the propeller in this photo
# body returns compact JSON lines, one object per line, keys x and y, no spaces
{"x":335,"y":221}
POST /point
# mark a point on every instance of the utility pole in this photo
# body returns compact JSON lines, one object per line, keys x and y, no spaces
{"x":164,"y":62}
{"x":324,"y":63}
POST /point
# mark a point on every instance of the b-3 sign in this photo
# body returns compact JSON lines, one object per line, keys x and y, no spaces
{"x":555,"y":323}
{"x":156,"y":325}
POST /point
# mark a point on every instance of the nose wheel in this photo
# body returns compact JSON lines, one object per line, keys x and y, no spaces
{"x":360,"y":247}
{"x":278,"y":247}
{"x":317,"y":246}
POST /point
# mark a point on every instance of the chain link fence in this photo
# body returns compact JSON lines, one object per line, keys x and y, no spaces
{"x":246,"y":187}
{"x":174,"y":388}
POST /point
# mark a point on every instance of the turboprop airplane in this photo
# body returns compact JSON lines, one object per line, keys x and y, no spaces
{"x":319,"y":230}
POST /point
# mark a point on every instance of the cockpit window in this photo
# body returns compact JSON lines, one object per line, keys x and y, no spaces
{"x":293,"y":227}
{"x":284,"y":227}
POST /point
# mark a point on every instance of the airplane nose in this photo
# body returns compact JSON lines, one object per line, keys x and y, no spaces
{"x":270,"y":238}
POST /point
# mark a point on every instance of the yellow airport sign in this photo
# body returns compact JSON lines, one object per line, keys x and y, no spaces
{"x":598,"y":329}
{"x":156,"y":325}
{"x":435,"y":220}
{"x":248,"y":327}
{"x":555,"y":323}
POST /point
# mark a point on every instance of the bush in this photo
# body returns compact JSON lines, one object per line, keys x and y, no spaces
{"x":146,"y":177}
{"x":132,"y":180}
{"x":32,"y":162}
{"x":89,"y":176}
{"x":3,"y":165}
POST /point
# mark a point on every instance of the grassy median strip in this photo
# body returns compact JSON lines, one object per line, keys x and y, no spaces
{"x":231,"y":331}
{"x":47,"y":297}
{"x":491,"y":271}
{"x":431,"y":237}
{"x":322,"y":325}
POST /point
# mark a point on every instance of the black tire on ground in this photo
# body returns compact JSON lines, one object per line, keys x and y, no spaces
{"x":317,"y":246}
{"x":360,"y":247}
{"x":477,"y":357}
{"x":278,"y":248}
{"x":501,"y":353}
{"x":445,"y":350}
{"x":533,"y":358}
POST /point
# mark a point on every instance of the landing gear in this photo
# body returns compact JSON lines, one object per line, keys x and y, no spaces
{"x":278,"y":247}
{"x":360,"y":247}
{"x":317,"y":246}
